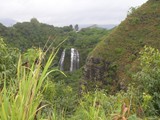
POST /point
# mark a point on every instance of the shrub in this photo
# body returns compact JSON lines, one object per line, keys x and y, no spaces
{"x":100,"y":106}
{"x":8,"y":62}
{"x":148,"y":79}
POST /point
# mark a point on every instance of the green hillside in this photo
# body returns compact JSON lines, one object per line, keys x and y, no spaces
{"x":113,"y":57}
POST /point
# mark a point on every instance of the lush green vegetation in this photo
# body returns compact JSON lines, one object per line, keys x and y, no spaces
{"x":34,"y":34}
{"x":127,"y":59}
{"x":32,"y":93}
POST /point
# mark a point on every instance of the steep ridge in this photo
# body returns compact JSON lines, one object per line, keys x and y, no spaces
{"x":110,"y":62}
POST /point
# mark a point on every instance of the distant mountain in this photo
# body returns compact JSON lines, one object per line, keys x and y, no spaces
{"x":107,"y":26}
{"x":7,"y":21}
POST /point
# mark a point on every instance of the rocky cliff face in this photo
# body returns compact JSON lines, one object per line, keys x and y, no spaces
{"x":95,"y":68}
{"x":99,"y":72}
{"x":111,"y":60}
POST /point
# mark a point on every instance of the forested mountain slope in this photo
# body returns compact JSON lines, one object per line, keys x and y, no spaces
{"x":110,"y":62}
{"x":35,"y":34}
{"x":27,"y":34}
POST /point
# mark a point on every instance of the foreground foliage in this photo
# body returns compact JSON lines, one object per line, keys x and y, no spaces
{"x":22,"y":98}
{"x":34,"y":94}
{"x":149,"y":80}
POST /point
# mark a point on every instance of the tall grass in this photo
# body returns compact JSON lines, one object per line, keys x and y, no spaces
{"x":21,"y":100}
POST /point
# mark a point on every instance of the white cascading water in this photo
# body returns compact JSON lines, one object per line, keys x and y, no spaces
{"x":72,"y":57}
{"x":77,"y":59}
{"x":62,"y":59}
{"x":74,"y":60}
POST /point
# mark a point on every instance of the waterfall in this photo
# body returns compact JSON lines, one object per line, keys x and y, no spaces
{"x":74,"y":60}
{"x":61,"y":63}
{"x":69,"y":60}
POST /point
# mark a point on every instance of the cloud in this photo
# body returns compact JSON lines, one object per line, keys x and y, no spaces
{"x":64,"y":12}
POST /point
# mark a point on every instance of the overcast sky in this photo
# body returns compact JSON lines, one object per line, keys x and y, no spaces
{"x":66,"y":12}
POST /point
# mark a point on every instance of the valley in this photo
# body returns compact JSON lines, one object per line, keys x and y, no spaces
{"x":91,"y":73}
